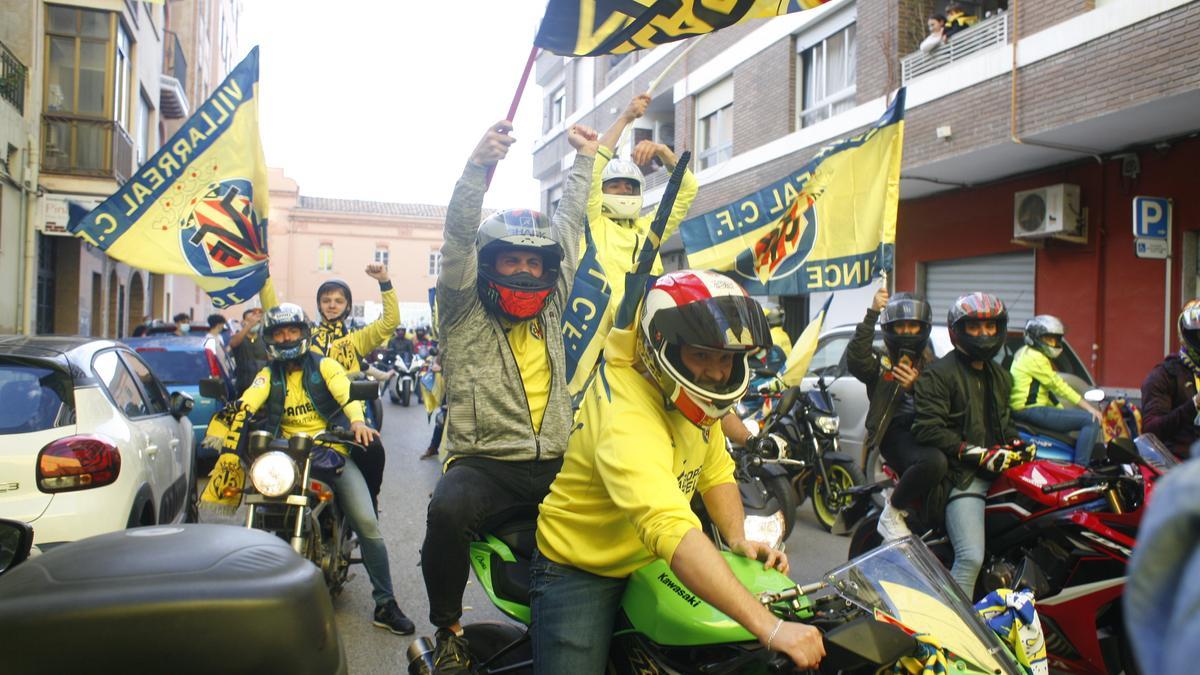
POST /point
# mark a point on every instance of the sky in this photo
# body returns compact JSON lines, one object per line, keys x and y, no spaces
{"x":384,"y":100}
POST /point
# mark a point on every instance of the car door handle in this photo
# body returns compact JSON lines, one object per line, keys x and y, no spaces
{"x":151,"y":449}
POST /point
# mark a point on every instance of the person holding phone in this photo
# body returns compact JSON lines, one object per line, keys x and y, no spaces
{"x":906,"y":321}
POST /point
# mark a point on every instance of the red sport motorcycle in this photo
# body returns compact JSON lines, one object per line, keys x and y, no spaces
{"x":1061,"y":530}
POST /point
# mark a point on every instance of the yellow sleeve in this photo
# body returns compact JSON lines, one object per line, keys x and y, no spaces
{"x":718,"y":465}
{"x":1043,"y":371}
{"x":634,"y":460}
{"x":267,"y":295}
{"x":596,"y":192}
{"x":688,"y":187}
{"x":339,"y":386}
{"x":228,"y":422}
{"x":378,"y":331}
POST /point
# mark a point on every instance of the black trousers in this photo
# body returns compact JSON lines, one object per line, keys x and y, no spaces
{"x":920,"y":467}
{"x":476,"y":494}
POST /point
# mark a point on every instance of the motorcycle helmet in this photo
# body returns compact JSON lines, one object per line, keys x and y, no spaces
{"x":1041,"y":327}
{"x":331,"y":285}
{"x":1189,"y":331}
{"x":621,"y":207}
{"x":977,"y":307}
{"x":701,"y":309}
{"x":906,"y":307}
{"x":287,"y":314}
{"x":519,"y":296}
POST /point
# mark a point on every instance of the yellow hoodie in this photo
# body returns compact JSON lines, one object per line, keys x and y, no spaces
{"x":623,"y":496}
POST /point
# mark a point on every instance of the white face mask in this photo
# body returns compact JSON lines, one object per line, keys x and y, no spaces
{"x":185,"y":327}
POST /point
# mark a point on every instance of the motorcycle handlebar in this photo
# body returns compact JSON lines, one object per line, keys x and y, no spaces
{"x":1059,"y":487}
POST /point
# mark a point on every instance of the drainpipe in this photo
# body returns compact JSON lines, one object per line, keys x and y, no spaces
{"x":1015,"y":13}
{"x":31,"y":190}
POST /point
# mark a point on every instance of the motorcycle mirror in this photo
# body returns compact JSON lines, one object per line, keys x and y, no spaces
{"x":864,"y":642}
{"x":213,"y":387}
{"x":364,"y":390}
{"x":788,"y":400}
{"x":1094,"y":395}
{"x":16,"y":541}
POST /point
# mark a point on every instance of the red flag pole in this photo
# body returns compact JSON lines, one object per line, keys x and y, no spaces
{"x":512,"y":108}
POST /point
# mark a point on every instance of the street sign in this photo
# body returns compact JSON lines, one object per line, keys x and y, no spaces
{"x":1151,"y":248}
{"x":1151,"y":217}
{"x":54,"y":211}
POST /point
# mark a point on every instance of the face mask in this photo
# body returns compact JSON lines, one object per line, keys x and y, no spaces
{"x":185,"y":327}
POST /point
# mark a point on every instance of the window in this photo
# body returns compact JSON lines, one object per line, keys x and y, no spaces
{"x":381,"y":255}
{"x":123,"y":78}
{"x":147,"y":131}
{"x":120,"y":384}
{"x":828,"y":357}
{"x":828,"y":72}
{"x":36,"y":397}
{"x":325,"y":258}
{"x":435,"y":263}
{"x":79,"y":89}
{"x":558,"y":107}
{"x":714,"y":124}
{"x":153,"y":389}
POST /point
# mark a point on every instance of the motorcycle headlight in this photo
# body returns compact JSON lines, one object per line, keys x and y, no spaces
{"x":766,"y":529}
{"x":826,"y":424}
{"x":273,"y":474}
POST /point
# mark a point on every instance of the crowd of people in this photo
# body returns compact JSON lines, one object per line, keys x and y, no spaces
{"x":610,"y":475}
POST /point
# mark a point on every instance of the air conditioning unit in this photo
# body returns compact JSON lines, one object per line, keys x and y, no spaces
{"x":1047,"y":212}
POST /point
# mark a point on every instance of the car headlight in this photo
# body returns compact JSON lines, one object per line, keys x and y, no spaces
{"x":826,"y":424}
{"x":766,"y":529}
{"x":273,"y":474}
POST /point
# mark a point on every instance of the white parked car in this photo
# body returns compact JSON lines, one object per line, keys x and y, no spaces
{"x":90,"y":440}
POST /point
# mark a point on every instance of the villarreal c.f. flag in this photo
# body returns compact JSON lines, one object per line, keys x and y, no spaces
{"x":198,"y":206}
{"x":595,"y":27}
{"x":828,"y":225}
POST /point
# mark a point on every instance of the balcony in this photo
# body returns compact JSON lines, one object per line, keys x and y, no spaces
{"x":173,"y":98}
{"x":983,"y":35}
{"x":86,"y":147}
{"x":12,"y":79}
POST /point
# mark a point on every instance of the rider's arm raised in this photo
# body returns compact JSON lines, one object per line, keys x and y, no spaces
{"x":567,"y":224}
{"x":861,"y":359}
{"x":375,"y":333}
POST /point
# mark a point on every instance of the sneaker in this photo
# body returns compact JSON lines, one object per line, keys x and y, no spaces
{"x":451,"y":655}
{"x":389,"y":616}
{"x":891,"y":522}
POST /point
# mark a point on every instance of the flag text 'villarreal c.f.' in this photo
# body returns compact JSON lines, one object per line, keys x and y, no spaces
{"x":198,"y":206}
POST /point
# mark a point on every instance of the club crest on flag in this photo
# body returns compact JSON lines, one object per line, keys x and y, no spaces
{"x":784,"y":248}
{"x":223,"y":235}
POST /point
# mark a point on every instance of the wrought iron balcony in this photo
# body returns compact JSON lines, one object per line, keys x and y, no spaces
{"x":86,"y":147}
{"x":12,"y":79}
{"x":983,"y":35}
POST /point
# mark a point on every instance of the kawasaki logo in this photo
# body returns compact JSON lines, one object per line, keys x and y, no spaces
{"x":679,"y":590}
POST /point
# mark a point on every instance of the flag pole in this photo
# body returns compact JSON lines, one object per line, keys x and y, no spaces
{"x":512,"y":107}
{"x":658,"y":80}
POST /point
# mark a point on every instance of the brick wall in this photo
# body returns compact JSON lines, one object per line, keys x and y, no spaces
{"x":878,"y":67}
{"x":764,"y":97}
{"x":1036,"y":15}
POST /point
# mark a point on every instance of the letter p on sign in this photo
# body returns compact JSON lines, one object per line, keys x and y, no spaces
{"x":1151,"y":217}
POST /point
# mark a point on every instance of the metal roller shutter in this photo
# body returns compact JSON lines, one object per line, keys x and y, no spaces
{"x":1009,"y":276}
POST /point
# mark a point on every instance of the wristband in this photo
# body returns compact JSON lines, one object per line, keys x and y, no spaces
{"x":385,"y":285}
{"x":773,"y":633}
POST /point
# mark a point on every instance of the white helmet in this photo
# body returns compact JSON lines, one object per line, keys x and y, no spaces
{"x":622,"y":207}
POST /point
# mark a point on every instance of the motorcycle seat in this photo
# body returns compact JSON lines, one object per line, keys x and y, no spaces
{"x":511,"y":579}
{"x":520,"y":536}
{"x":185,"y":595}
{"x":1068,"y":437}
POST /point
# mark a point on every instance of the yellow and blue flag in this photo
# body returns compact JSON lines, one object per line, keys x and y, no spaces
{"x":198,"y":206}
{"x":586,"y":319}
{"x":595,"y":27}
{"x":806,"y":346}
{"x":829,"y":225}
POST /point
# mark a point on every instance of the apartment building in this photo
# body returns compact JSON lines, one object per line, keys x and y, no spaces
{"x":90,"y":89}
{"x":1028,"y":137}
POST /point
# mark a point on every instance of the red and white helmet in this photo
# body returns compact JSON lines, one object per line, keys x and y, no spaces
{"x":706,"y":310}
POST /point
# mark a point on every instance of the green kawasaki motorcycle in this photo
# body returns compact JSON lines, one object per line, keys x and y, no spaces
{"x":870,"y":610}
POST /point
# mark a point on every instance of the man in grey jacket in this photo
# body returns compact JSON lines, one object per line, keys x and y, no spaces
{"x":500,"y":303}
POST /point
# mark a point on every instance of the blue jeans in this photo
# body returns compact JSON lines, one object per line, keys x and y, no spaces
{"x":964,"y":523}
{"x":573,"y":616}
{"x":1065,"y":421}
{"x":355,"y":501}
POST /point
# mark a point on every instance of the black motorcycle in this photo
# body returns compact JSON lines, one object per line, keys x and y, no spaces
{"x":768,"y":500}
{"x":800,"y":434}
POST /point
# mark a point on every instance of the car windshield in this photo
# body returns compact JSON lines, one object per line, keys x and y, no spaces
{"x":177,"y":367}
{"x":35,"y":397}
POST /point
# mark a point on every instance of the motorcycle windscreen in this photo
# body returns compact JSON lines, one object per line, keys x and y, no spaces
{"x":904,"y":581}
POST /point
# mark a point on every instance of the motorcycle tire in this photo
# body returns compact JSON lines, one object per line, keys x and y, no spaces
{"x":486,"y":638}
{"x":842,"y":473}
{"x":864,"y":538}
{"x":782,"y":489}
{"x":406,"y":394}
{"x":394,"y":390}
{"x":873,"y":470}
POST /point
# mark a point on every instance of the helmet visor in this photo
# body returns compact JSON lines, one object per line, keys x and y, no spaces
{"x":729,"y":323}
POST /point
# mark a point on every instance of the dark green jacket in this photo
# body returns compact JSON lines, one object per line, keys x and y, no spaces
{"x":949,"y":413}
{"x":868,"y":367}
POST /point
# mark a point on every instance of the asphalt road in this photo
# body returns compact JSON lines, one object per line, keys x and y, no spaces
{"x":407,"y":485}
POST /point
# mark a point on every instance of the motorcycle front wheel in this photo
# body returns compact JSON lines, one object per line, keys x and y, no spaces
{"x":782,"y":489}
{"x":827,"y":500}
{"x":406,"y":394}
{"x":394,"y":389}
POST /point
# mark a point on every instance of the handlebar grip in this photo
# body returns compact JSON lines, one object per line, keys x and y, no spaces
{"x":339,"y":433}
{"x":1059,"y":487}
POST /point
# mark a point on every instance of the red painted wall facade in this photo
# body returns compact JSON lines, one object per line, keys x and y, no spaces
{"x":1104,"y":294}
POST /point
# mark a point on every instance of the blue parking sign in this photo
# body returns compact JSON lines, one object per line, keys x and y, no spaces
{"x":1151,"y":217}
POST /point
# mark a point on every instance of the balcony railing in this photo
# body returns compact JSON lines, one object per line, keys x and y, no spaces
{"x":12,"y":79}
{"x":983,"y":35}
{"x":86,"y":147}
{"x":174,"y":62}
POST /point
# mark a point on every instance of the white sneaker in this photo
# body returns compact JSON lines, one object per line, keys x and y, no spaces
{"x":891,"y":522}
